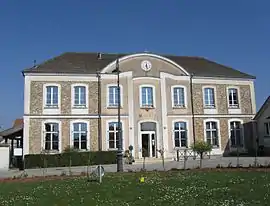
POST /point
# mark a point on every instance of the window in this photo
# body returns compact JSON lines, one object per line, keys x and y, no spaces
{"x":180,"y":134}
{"x":147,"y":97}
{"x":236,"y":134}
{"x":52,"y":96}
{"x":113,"y":96}
{"x":233,"y":98}
{"x":113,"y":135}
{"x":211,"y":130}
{"x":267,"y":129}
{"x":79,"y":96}
{"x":79,"y":136}
{"x":209,"y":97}
{"x":178,"y":97}
{"x":51,"y":136}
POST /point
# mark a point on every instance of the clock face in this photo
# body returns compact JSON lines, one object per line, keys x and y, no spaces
{"x":146,"y":65}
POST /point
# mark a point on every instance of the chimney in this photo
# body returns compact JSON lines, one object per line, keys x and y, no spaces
{"x":35,"y":64}
{"x":99,"y":56}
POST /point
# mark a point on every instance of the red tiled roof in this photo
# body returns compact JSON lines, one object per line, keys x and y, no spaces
{"x":17,"y":122}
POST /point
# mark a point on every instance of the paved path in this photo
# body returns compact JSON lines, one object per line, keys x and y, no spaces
{"x":149,"y":166}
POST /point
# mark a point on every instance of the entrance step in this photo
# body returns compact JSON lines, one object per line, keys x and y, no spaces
{"x":151,"y":160}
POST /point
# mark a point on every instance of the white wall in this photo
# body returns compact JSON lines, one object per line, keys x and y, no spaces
{"x":4,"y":160}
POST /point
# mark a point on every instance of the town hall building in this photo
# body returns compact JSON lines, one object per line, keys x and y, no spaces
{"x":167,"y":102}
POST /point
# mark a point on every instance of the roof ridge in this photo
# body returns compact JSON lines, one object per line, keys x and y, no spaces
{"x":130,"y":53}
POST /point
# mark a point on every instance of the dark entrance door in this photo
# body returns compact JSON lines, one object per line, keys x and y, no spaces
{"x":145,"y":145}
{"x":153,"y":145}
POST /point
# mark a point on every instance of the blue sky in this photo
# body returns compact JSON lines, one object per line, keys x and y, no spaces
{"x":234,"y":33}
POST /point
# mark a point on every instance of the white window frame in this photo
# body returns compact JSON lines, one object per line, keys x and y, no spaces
{"x":215,"y":102}
{"x":88,"y":138}
{"x":108,"y":95}
{"x":233,"y":106}
{"x":185,"y":96}
{"x":43,"y":132}
{"x":265,"y":126}
{"x":154,"y":95}
{"x":242,"y":132}
{"x":107,"y":134}
{"x":47,"y":109}
{"x":218,"y":132}
{"x":187,"y":131}
{"x":73,"y":86}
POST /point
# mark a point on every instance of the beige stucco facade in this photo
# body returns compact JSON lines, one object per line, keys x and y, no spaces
{"x":162,"y":77}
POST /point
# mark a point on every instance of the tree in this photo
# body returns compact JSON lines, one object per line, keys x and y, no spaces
{"x":201,"y":147}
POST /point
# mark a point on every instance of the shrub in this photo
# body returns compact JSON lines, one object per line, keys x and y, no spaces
{"x":201,"y":147}
{"x":63,"y":159}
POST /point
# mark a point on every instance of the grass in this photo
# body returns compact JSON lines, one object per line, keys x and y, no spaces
{"x":171,"y":188}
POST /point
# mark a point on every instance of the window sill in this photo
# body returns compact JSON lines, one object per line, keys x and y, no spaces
{"x":51,"y":107}
{"x":147,"y":107}
{"x":80,"y":107}
{"x":81,"y":150}
{"x":182,"y":148}
{"x":114,"y":107}
{"x":234,"y":107}
{"x":210,"y":110}
{"x":79,"y":110}
{"x":50,"y":152}
{"x":112,"y":149}
{"x":209,"y":107}
{"x":51,"y":110}
{"x":179,"y":107}
{"x":234,"y":110}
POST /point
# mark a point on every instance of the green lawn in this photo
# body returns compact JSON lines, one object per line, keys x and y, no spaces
{"x":172,"y":188}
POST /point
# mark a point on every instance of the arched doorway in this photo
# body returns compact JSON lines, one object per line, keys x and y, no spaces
{"x":147,"y":139}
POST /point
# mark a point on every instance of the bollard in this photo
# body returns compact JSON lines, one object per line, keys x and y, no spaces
{"x":100,"y":175}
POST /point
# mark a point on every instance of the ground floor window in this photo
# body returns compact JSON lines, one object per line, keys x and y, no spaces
{"x":51,"y":136}
{"x":80,"y":136}
{"x":236,"y":135}
{"x":180,"y":134}
{"x":211,"y":130}
{"x":113,"y":135}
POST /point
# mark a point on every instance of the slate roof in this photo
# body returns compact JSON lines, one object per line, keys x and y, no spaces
{"x":88,"y":63}
{"x":263,"y":108}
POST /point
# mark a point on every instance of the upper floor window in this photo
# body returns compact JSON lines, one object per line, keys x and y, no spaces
{"x":179,"y":97}
{"x":79,"y":135}
{"x":113,"y":135}
{"x":211,"y":131}
{"x":267,"y":129}
{"x":236,"y":134}
{"x":180,"y":134}
{"x":233,"y":97}
{"x":113,"y":98}
{"x":51,"y":139}
{"x":79,"y":96}
{"x":147,"y":96}
{"x":209,"y":97}
{"x":52,"y":96}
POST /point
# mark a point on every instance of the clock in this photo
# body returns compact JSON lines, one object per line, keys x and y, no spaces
{"x":146,"y":65}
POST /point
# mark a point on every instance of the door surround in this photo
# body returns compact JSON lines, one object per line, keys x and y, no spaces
{"x":150,"y":132}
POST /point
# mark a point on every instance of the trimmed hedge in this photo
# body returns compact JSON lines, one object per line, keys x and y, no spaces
{"x":75,"y":158}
